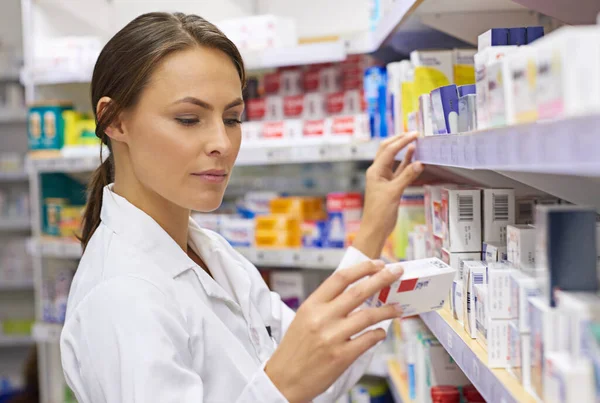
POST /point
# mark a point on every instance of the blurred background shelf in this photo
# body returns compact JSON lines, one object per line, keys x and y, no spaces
{"x":320,"y":259}
{"x":397,"y":383}
{"x":15,"y":341}
{"x":14,"y":224}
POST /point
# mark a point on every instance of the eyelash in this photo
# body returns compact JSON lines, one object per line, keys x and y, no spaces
{"x":233,"y":122}
{"x":192,"y":122}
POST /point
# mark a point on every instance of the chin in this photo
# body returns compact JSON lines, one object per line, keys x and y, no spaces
{"x":207,"y":202}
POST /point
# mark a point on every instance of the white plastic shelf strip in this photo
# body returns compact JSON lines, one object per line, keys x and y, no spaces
{"x":15,"y":341}
{"x":567,"y":146}
{"x":14,"y":224}
{"x":323,"y":259}
{"x":47,"y":332}
{"x":482,"y":377}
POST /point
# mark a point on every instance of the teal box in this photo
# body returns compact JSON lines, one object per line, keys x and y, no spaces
{"x":46,"y":126}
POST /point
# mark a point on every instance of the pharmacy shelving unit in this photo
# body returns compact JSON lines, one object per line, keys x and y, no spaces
{"x":397,"y":382}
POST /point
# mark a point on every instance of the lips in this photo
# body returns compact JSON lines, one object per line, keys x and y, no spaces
{"x":212,"y":176}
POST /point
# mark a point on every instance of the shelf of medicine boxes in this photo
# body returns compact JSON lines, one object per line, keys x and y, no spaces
{"x":303,"y":258}
{"x":397,"y":382}
{"x":495,"y":385}
{"x":14,"y":224}
{"x":565,"y":146}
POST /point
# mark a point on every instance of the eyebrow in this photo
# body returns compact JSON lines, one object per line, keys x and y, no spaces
{"x":206,"y":105}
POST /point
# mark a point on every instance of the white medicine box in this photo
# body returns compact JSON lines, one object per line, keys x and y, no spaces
{"x":498,"y":212}
{"x":492,"y":334}
{"x":474,"y":274}
{"x":522,"y":287}
{"x":461,"y":220}
{"x":520,"y":246}
{"x":456,"y":260}
{"x":499,"y":282}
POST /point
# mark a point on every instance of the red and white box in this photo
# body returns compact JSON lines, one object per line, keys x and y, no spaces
{"x":348,"y":204}
{"x":274,"y":107}
{"x":256,"y":109}
{"x":330,"y":79}
{"x":251,"y":132}
{"x":275,"y":130}
{"x":348,"y":127}
{"x":293,"y":106}
{"x":314,"y":106}
{"x":461,"y":220}
{"x":346,"y":102}
{"x":423,"y":287}
{"x":315,"y":129}
{"x":272,"y":83}
{"x":312,"y":78}
{"x":291,"y":82}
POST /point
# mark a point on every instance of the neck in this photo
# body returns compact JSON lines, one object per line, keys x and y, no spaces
{"x":172,"y":218}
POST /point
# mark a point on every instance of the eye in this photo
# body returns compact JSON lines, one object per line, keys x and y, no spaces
{"x":187,"y":121}
{"x":232,"y":122}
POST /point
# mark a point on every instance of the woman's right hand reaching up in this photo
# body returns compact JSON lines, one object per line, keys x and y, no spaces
{"x":320,"y":345}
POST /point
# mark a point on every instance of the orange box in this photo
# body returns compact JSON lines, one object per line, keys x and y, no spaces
{"x":303,"y":208}
{"x":278,"y":222}
{"x":278,"y":239}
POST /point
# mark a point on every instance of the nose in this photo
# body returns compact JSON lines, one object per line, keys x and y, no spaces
{"x":218,"y":144}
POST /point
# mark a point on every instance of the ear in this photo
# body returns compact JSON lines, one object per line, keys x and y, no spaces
{"x":115,"y":131}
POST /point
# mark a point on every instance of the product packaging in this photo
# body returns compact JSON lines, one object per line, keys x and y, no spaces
{"x":492,"y":334}
{"x":417,"y":243}
{"x":376,"y":96}
{"x":523,"y":68}
{"x":566,"y":249}
{"x":499,"y":280}
{"x":567,"y":82}
{"x":274,"y":107}
{"x":291,"y":81}
{"x":461,"y":220}
{"x":517,"y":36}
{"x":238,"y":231}
{"x":521,"y":246}
{"x":464,"y":66}
{"x":432,"y":69}
{"x":394,"y":95}
{"x":501,"y":104}
{"x":458,"y":296}
{"x":580,"y":310}
{"x":290,"y":287}
{"x":315,"y":107}
{"x":498,"y":212}
{"x":474,"y":274}
{"x":519,"y":355}
{"x":343,"y":209}
{"x":522,"y":287}
{"x":46,"y":125}
{"x":330,"y":79}
{"x":492,"y":37}
{"x":467,"y":113}
{"x":534,"y":33}
{"x":425,"y":116}
{"x":444,"y":105}
{"x":456,"y":260}
{"x":543,"y":340}
{"x":423,"y":287}
{"x":567,"y":379}
{"x":314,"y":234}
{"x":410,"y":215}
{"x":493,"y":252}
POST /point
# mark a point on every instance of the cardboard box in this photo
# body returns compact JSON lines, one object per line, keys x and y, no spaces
{"x":492,"y":334}
{"x":499,"y":280}
{"x":523,"y":67}
{"x":274,"y":107}
{"x":461,"y":218}
{"x":567,"y":379}
{"x":492,"y":37}
{"x":493,"y":252}
{"x":519,"y":355}
{"x":579,"y":310}
{"x":458,"y":301}
{"x":432,"y":69}
{"x":474,"y":274}
{"x":422,"y":288}
{"x":566,"y":249}
{"x":543,"y":339}
{"x":464,"y":66}
{"x":456,"y":260}
{"x":498,"y":212}
{"x":290,"y":287}
{"x":522,"y":287}
{"x":521,"y":246}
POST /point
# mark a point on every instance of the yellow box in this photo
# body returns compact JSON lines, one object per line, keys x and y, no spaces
{"x":277,"y":222}
{"x":70,"y":220}
{"x":278,"y":239}
{"x":302,"y":208}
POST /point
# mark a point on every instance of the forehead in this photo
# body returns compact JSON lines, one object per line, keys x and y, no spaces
{"x":199,"y":71}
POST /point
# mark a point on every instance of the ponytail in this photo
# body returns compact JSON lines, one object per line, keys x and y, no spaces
{"x":102,"y":176}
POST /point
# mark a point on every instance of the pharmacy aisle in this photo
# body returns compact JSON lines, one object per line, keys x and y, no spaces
{"x":498,"y":237}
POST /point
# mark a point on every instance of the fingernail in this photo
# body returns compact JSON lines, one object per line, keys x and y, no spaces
{"x":418,"y":167}
{"x":379,"y":263}
{"x":396,"y":269}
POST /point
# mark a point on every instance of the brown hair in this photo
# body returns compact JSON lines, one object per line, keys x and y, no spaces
{"x":124,"y":68}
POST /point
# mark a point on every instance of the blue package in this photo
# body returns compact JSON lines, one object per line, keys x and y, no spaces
{"x":317,"y":236}
{"x":376,"y":97}
{"x":517,"y":36}
{"x":498,"y":36}
{"x":534,"y":33}
{"x":444,"y":102}
{"x":466,"y":90}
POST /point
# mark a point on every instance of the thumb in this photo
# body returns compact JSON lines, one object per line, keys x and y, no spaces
{"x":408,"y":176}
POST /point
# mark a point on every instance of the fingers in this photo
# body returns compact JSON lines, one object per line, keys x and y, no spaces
{"x":354,"y":296}
{"x":410,"y":152}
{"x":361,"y":344}
{"x":386,"y":155}
{"x":408,"y":176}
{"x":341,"y":279}
{"x":360,"y":320}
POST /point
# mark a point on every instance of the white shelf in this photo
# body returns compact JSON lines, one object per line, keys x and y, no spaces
{"x":321,"y":259}
{"x":85,"y":162}
{"x":324,"y":52}
{"x":13,"y":176}
{"x":15,"y":341}
{"x":13,"y":115}
{"x":495,"y":385}
{"x":567,"y":147}
{"x":55,"y":77}
{"x":390,"y":22}
{"x":47,"y":332}
{"x":16,"y":286}
{"x":15,"y":224}
{"x":55,"y":247}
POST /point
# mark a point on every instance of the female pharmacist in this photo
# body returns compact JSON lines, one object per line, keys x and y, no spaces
{"x":161,"y":310}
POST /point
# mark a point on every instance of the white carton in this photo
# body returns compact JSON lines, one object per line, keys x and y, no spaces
{"x":463,"y":64}
{"x":520,"y":246}
{"x":568,"y":380}
{"x":523,"y":68}
{"x":474,"y":274}
{"x":519,"y":355}
{"x":438,"y":61}
{"x":456,"y":260}
{"x":501,"y":104}
{"x":458,"y":301}
{"x":493,"y":252}
{"x":423,"y":287}
{"x":290,"y":287}
{"x":567,"y":80}
{"x":580,"y":309}
{"x":461,"y":220}
{"x":522,"y":287}
{"x":492,"y":334}
{"x":498,"y":280}
{"x":544,"y":326}
{"x":498,"y":212}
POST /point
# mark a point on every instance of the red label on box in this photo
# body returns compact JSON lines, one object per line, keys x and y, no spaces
{"x":335,"y":103}
{"x":408,"y":285}
{"x":273,"y":130}
{"x":311,"y":79}
{"x":383,"y":295}
{"x":343,"y":125}
{"x":314,"y":128}
{"x":256,"y":109}
{"x":352,"y":201}
{"x":343,"y":201}
{"x":272,"y":83}
{"x":293,"y":106}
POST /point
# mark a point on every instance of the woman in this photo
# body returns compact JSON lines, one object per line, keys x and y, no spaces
{"x":161,"y":310}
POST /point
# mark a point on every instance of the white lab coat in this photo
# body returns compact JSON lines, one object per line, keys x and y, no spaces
{"x":145,"y":324}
